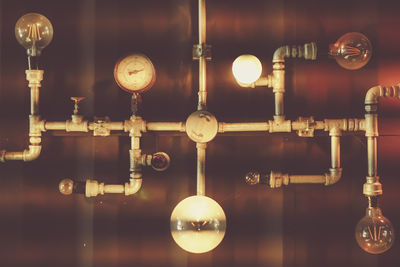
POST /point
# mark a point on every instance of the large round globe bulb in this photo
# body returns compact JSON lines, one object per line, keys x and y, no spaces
{"x":34,"y":32}
{"x":198,"y":224}
{"x":352,"y":51}
{"x":246,"y":69}
{"x":374,"y":232}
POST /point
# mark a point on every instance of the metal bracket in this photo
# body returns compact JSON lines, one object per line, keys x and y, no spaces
{"x":310,"y":126}
{"x":201,"y":50}
{"x":100,"y":128}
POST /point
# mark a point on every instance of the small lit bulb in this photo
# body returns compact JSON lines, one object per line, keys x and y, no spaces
{"x":66,"y":186}
{"x":374,"y":232}
{"x":198,"y":224}
{"x":246,"y":69}
{"x":352,"y":51}
{"x":34,"y":32}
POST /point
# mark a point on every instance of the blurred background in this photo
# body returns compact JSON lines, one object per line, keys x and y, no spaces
{"x":301,"y":225}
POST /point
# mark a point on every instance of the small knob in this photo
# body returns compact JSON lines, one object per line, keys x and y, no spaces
{"x":77,"y":100}
{"x":252,"y":178}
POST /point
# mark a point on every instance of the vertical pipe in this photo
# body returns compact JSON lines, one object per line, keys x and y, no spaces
{"x":202,"y":21}
{"x":202,"y":60}
{"x":372,"y":156}
{"x":34,"y":100}
{"x":201,"y":168}
{"x":335,"y":152}
{"x":279,"y":109}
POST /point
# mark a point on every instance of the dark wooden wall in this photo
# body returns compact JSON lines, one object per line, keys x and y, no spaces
{"x":299,"y":226}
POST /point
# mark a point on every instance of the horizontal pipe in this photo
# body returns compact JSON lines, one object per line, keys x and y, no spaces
{"x":27,"y":155}
{"x":55,"y":125}
{"x":165,"y":126}
{"x":307,"y":179}
{"x":114,"y":189}
{"x":243,"y":127}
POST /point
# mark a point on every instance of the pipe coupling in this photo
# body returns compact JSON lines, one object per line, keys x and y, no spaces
{"x":372,"y":187}
{"x":277,"y":179}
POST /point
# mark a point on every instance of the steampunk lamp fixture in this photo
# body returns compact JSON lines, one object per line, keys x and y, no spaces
{"x":198,"y":223}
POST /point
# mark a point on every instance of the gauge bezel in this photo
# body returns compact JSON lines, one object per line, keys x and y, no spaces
{"x":147,"y":86}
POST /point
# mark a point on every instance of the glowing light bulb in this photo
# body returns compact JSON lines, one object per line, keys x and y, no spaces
{"x":34,"y":32}
{"x":352,"y":51}
{"x":374,"y":232}
{"x":66,"y":186}
{"x":246,"y":69}
{"x":198,"y":224}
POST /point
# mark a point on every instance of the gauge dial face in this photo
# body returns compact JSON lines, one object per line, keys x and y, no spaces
{"x":135,"y":73}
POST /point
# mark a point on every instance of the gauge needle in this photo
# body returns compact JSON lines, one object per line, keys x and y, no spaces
{"x":135,"y":71}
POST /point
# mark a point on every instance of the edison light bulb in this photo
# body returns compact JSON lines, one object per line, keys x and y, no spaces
{"x":34,"y":32}
{"x":352,"y":51}
{"x":374,"y":232}
{"x":198,"y":224}
{"x":246,"y":69}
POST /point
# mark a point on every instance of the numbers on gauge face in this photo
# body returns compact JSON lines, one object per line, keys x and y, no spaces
{"x":135,"y":73}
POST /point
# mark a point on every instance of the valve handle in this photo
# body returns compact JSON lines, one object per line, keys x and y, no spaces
{"x":77,"y":100}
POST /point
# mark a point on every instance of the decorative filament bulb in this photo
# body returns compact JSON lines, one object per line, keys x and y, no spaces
{"x":352,"y":51}
{"x":374,"y":232}
{"x":34,"y":32}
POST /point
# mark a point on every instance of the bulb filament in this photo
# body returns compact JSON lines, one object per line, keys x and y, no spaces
{"x":349,"y":51}
{"x":199,"y":225}
{"x":34,"y":33}
{"x":375,"y":236}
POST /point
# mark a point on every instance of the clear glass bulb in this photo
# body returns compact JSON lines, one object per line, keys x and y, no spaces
{"x":246,"y":69}
{"x":374,"y":232}
{"x":66,"y":186}
{"x":34,"y":32}
{"x":352,"y":51}
{"x":198,"y":224}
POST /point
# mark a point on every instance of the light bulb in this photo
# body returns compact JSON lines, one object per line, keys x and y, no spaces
{"x":66,"y":186}
{"x":352,"y":51}
{"x":246,"y":69}
{"x":374,"y":232}
{"x":34,"y":32}
{"x":198,"y":224}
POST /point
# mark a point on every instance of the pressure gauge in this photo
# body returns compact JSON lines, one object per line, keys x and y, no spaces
{"x":135,"y":73}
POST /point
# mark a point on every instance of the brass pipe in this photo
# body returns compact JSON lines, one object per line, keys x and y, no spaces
{"x":372,"y":156}
{"x":307,"y":179}
{"x":243,"y":127}
{"x":202,"y":60}
{"x":35,"y":100}
{"x":201,"y":168}
{"x":166,"y":126}
{"x":34,"y":77}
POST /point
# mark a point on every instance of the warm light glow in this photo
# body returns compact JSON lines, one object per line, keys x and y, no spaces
{"x":198,"y":224}
{"x":34,"y":32}
{"x":246,"y":69}
{"x":374,"y":232}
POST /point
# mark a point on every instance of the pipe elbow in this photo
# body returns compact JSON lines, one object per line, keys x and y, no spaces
{"x":280,"y":54}
{"x":32,"y":153}
{"x":133,"y":186}
{"x":373,"y":94}
{"x":334,"y":175}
